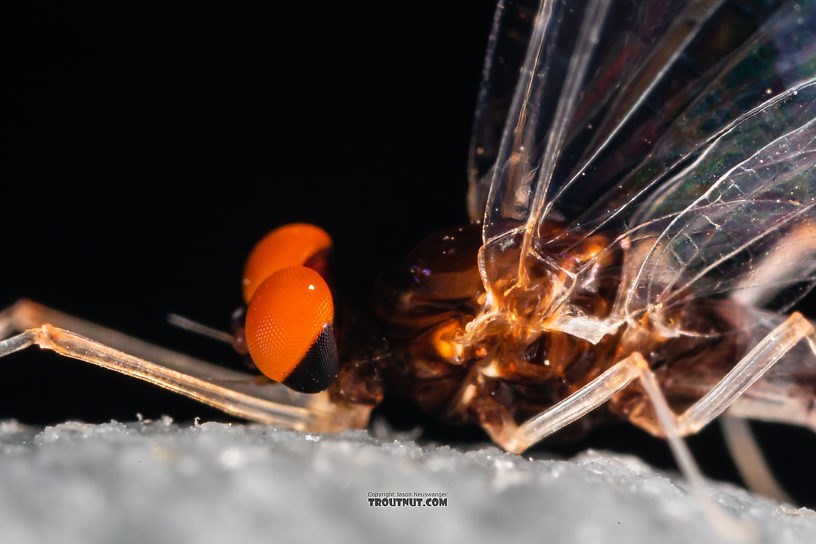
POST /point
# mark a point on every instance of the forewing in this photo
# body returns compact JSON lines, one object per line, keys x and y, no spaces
{"x":740,"y":218}
{"x":617,"y":102}
{"x":512,"y":25}
{"x":598,"y":85}
{"x":777,"y":54}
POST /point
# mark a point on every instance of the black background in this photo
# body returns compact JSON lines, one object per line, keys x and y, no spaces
{"x":148,"y":148}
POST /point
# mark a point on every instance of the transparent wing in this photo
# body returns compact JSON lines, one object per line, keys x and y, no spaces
{"x":512,"y":25}
{"x":623,"y":50}
{"x":613,"y":100}
{"x":776,"y":56}
{"x":598,"y":83}
{"x":724,"y":222}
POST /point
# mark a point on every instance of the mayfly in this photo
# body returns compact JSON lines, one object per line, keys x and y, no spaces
{"x":642,"y":176}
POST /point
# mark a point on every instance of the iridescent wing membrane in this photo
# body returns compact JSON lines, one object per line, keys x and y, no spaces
{"x":687,"y":126}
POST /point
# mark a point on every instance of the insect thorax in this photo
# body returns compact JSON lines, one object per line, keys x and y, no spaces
{"x":470,"y":357}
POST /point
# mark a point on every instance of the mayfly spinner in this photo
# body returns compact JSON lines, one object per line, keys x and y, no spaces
{"x":643,"y":179}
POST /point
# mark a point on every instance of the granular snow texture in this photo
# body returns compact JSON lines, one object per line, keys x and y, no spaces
{"x":157,"y":482}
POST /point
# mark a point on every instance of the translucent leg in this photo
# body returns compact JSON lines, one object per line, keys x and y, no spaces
{"x":602,"y":389}
{"x":592,"y":395}
{"x":747,"y":371}
{"x":238,"y":393}
{"x":595,"y":393}
{"x":573,"y":408}
{"x":749,"y":459}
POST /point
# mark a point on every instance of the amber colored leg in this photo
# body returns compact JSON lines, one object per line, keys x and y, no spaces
{"x":600,"y":390}
{"x":746,"y":372}
{"x":592,"y":395}
{"x":234,"y":392}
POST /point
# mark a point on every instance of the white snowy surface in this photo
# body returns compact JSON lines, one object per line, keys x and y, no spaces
{"x":156,"y":482}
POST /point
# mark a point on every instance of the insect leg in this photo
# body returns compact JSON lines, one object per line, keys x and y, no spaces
{"x":602,"y":389}
{"x":595,"y":393}
{"x":747,"y":371}
{"x":572,"y":408}
{"x":749,"y":459}
{"x":233,"y":392}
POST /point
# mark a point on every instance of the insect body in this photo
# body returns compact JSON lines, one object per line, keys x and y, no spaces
{"x":643,"y":176}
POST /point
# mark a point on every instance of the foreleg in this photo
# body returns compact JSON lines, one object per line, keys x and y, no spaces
{"x":237,"y":393}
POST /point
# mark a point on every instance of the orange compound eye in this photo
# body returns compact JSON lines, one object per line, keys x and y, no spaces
{"x":289,"y":330}
{"x":289,"y":245}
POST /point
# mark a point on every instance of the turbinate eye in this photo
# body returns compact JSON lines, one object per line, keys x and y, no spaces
{"x":290,"y":331}
{"x":289,"y":245}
